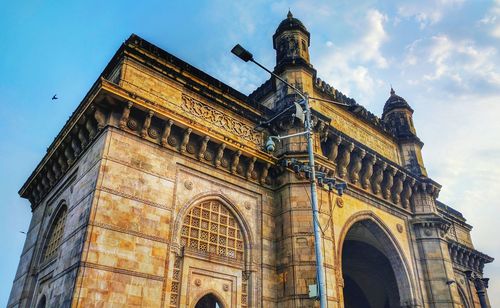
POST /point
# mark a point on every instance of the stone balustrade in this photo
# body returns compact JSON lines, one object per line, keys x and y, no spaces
{"x":368,"y":170}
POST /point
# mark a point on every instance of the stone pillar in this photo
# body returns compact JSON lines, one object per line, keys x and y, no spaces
{"x":480,"y":284}
{"x":435,"y":263}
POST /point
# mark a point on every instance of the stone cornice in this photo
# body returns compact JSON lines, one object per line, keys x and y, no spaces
{"x":76,"y":119}
{"x":111,"y":105}
{"x":468,"y":257}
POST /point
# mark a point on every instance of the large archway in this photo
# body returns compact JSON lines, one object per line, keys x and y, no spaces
{"x":373,"y":271}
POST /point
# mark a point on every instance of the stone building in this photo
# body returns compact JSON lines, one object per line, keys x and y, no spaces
{"x":157,"y":192}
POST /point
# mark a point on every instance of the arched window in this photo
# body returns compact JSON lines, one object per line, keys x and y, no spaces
{"x":55,"y":235}
{"x":210,"y":228}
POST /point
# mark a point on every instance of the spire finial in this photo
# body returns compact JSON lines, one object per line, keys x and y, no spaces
{"x":392,"y":91}
{"x":289,"y":15}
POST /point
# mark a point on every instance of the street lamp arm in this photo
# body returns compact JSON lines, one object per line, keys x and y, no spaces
{"x":279,"y":138}
{"x":328,"y":100}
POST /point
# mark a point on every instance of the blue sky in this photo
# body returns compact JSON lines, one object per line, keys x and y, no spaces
{"x":441,"y":55}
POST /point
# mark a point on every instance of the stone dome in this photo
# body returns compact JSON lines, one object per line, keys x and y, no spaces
{"x":395,"y":101}
{"x":290,"y":23}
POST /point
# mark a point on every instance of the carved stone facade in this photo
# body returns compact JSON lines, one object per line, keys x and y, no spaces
{"x":170,"y":200}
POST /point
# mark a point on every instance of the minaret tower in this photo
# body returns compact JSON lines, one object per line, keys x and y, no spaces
{"x":398,"y":117}
{"x":291,"y":42}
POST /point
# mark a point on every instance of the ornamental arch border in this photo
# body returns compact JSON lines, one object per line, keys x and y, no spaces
{"x":406,"y":282}
{"x":216,"y":294}
{"x":48,"y":229}
{"x":230,"y":205}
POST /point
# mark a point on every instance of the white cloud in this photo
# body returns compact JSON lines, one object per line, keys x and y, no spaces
{"x":492,"y":19}
{"x":347,"y":67}
{"x":458,"y":65}
{"x":427,"y":12}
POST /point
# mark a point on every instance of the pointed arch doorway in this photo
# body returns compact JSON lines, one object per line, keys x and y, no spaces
{"x":208,"y":301}
{"x":374,"y":273}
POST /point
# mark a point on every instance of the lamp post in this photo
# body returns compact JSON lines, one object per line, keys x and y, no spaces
{"x":246,"y":56}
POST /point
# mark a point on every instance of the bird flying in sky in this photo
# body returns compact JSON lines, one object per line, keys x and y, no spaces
{"x":55,"y":97}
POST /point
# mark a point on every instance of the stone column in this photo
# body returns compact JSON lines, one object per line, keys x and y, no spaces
{"x":480,"y":284}
{"x":435,"y":261}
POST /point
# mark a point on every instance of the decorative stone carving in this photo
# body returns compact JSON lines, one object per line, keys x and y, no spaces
{"x":250,"y":168}
{"x":219,"y":119}
{"x":265,"y":171}
{"x":56,"y":170}
{"x":356,"y":165}
{"x":246,"y":275}
{"x":185,"y":140}
{"x":50,"y":175}
{"x":68,"y":154}
{"x":188,"y":184}
{"x":153,"y":132}
{"x":388,"y":181}
{"x":125,"y":115}
{"x":340,"y":202}
{"x":166,"y":133}
{"x":147,"y":124}
{"x":467,"y":257}
{"x":236,"y":161}
{"x":407,"y":192}
{"x":431,"y":223}
{"x":398,"y":187}
{"x":99,"y":117}
{"x":172,"y":140}
{"x":75,"y":146}
{"x":62,"y":163}
{"x":219,"y":155}
{"x":89,"y":126}
{"x":344,"y":159}
{"x":378,"y":176}
{"x":203,"y":147}
{"x":367,"y":171}
{"x":82,"y":137}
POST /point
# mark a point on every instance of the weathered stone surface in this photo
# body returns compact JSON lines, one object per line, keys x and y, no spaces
{"x":170,"y":197}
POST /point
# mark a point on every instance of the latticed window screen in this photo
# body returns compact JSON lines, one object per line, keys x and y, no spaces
{"x":244,"y":294}
{"x":55,"y":235}
{"x":176,"y":281}
{"x":209,"y":227}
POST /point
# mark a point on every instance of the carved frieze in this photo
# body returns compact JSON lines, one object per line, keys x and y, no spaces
{"x":216,"y":118}
{"x":364,"y":135}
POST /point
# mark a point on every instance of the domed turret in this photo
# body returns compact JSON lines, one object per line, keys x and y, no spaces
{"x":398,"y":117}
{"x":395,"y":101}
{"x":291,"y":42}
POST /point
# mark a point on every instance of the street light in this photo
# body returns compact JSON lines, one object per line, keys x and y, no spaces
{"x":246,"y":56}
